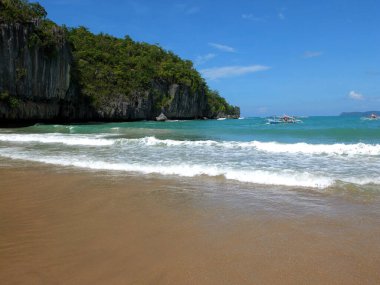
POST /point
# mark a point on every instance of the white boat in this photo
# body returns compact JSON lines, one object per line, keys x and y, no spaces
{"x":285,"y":119}
{"x":371,"y":117}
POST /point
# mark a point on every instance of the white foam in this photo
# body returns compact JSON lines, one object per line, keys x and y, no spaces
{"x":232,"y":160}
{"x":152,"y":141}
{"x":333,"y":149}
{"x":271,"y":147}
{"x":339,"y":149}
{"x":287,"y":177}
{"x":56,"y":138}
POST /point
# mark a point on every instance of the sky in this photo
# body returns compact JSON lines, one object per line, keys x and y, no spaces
{"x":268,"y":57}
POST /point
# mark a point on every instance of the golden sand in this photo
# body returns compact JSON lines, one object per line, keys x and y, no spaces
{"x":90,"y":228}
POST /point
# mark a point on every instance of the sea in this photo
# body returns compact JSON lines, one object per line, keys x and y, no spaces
{"x":319,"y":153}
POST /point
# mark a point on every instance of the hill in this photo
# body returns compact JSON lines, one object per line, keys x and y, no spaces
{"x":54,"y":73}
{"x":359,"y":114}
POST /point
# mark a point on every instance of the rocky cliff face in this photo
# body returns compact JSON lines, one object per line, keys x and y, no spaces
{"x":37,"y":85}
{"x":27,"y":71}
{"x":182,"y":103}
{"x":34,"y":85}
{"x":186,"y":104}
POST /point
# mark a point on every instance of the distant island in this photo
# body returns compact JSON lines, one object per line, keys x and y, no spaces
{"x":54,"y":73}
{"x":359,"y":114}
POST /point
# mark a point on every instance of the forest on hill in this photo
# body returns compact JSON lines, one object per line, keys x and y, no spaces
{"x":106,"y":68}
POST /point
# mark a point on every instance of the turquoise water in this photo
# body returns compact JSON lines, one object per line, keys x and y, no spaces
{"x":320,"y":152}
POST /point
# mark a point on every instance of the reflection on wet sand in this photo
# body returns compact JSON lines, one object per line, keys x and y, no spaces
{"x":90,"y":228}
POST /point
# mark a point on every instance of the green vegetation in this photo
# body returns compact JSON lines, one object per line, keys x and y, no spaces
{"x":13,"y":102}
{"x":10,"y":100}
{"x":46,"y":34}
{"x":20,"y":11}
{"x":20,"y":73}
{"x":107,"y":67}
{"x":4,"y":96}
{"x":219,"y":106}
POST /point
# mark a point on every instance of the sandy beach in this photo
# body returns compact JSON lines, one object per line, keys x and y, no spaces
{"x":68,"y":227}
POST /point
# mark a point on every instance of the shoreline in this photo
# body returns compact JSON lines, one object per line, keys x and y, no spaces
{"x":28,"y":123}
{"x":76,"y":227}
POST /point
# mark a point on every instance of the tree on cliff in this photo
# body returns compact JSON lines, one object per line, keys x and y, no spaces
{"x":106,"y":68}
{"x":109,"y":66}
{"x":21,"y":11}
{"x":218,"y":106}
{"x":47,"y":35}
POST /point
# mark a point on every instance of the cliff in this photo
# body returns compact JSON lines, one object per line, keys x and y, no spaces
{"x":182,"y":104}
{"x":128,"y":80}
{"x":51,"y":74}
{"x":33,"y":84}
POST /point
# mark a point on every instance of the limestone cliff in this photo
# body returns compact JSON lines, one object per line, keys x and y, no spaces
{"x":182,"y":103}
{"x":37,"y":84}
{"x":34,"y":84}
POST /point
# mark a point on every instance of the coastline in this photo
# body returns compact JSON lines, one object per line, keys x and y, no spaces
{"x":64,"y":226}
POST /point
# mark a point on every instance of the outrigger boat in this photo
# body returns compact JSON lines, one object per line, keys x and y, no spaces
{"x":373,"y":116}
{"x":285,"y":119}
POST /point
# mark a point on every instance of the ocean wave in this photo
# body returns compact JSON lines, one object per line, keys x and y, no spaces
{"x":50,"y":138}
{"x":338,"y":149}
{"x":319,"y":149}
{"x":282,"y":177}
{"x":270,"y":147}
{"x":286,"y":178}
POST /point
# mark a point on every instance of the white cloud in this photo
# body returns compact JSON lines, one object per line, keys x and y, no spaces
{"x":281,"y":13}
{"x":228,"y":71}
{"x":281,"y":16}
{"x":201,"y":59}
{"x":355,"y":95}
{"x":310,"y":54}
{"x":252,"y":17}
{"x":222,"y":47}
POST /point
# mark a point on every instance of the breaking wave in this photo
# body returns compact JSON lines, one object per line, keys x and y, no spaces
{"x":270,"y":163}
{"x":270,"y":147}
{"x":287,"y":178}
{"x":83,"y":140}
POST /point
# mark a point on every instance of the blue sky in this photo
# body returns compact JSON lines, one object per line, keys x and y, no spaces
{"x":268,"y":57}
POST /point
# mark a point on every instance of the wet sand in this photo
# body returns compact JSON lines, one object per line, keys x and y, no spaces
{"x":68,"y":227}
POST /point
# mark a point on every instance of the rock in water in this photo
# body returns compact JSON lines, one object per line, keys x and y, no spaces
{"x":161,"y":118}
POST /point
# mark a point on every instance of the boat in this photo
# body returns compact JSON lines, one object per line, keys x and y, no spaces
{"x":285,"y":119}
{"x":371,"y":117}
